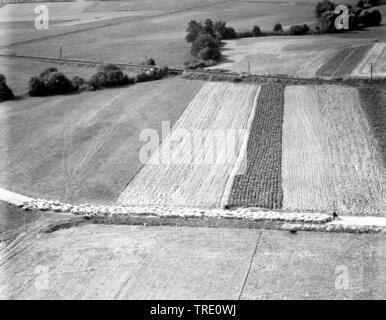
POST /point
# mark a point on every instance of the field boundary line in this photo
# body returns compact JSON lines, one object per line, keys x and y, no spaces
{"x":250,"y":265}
{"x":243,"y":152}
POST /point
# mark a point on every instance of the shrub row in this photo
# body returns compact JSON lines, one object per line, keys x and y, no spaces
{"x":52,"y":82}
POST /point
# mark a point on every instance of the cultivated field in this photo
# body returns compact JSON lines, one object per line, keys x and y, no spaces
{"x":260,"y":185}
{"x":84,"y":148}
{"x":291,"y":56}
{"x":160,"y":35}
{"x":330,"y":158}
{"x":376,"y":56}
{"x":343,"y":62}
{"x":197,"y":174}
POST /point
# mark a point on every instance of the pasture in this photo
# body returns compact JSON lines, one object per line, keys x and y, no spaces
{"x":84,"y":148}
{"x":330,"y":156}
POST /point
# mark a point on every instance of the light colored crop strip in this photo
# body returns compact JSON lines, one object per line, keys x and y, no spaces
{"x":217,"y":106}
{"x":330,"y":162}
{"x":377,"y":57}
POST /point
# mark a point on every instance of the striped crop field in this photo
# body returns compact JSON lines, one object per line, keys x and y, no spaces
{"x":343,"y":62}
{"x":377,"y":57}
{"x":193,"y":175}
{"x":260,"y":186}
{"x":330,"y":159}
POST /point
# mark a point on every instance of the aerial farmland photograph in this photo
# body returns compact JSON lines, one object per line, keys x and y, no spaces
{"x":176,"y":151}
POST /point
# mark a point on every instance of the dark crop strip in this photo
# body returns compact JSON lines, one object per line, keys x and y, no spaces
{"x":260,"y":186}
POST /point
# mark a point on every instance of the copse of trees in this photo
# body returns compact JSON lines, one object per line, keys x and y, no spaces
{"x":5,"y":92}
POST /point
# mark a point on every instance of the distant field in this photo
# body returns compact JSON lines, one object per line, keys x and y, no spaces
{"x":330,"y":159}
{"x":375,"y":56}
{"x":260,"y":186}
{"x":84,"y":148}
{"x":163,"y":36}
{"x":293,"y":56}
{"x":199,"y":170}
{"x":19,"y":71}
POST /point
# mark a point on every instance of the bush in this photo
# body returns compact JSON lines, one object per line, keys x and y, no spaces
{"x":224,"y":31}
{"x":278,"y":28}
{"x":327,"y":22}
{"x":77,"y":82}
{"x":57,"y":83}
{"x":245,"y":34}
{"x":211,"y":46}
{"x":256,"y":31}
{"x":148,"y":62}
{"x":324,"y":6}
{"x":5,"y":92}
{"x":193,"y":30}
{"x":198,"y":64}
{"x":36,"y":87}
{"x":50,"y":82}
{"x":370,"y":18}
{"x":98,"y":80}
{"x":152,"y":74}
{"x":298,"y":30}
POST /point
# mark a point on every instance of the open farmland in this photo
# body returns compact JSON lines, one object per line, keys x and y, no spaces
{"x":375,"y":56}
{"x":196,"y":174}
{"x":260,"y":185}
{"x":159,"y":35}
{"x":290,"y":55}
{"x":330,"y":158}
{"x":18,"y":71}
{"x":84,"y":148}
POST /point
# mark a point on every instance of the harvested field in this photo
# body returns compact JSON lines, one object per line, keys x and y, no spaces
{"x":290,"y":55}
{"x":197,"y":175}
{"x":375,"y":56}
{"x":343,"y":62}
{"x":260,"y":186}
{"x":330,"y":158}
{"x":84,"y":148}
